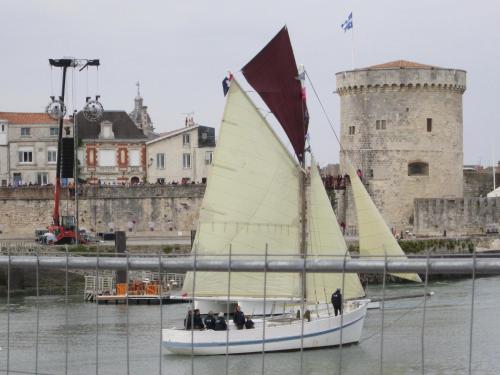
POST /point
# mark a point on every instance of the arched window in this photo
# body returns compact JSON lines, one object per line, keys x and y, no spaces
{"x":418,"y":168}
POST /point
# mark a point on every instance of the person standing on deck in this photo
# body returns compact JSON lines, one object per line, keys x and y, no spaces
{"x":337,"y":302}
{"x":239,"y":318}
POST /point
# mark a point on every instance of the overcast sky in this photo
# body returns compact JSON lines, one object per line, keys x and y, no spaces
{"x":180,"y":51}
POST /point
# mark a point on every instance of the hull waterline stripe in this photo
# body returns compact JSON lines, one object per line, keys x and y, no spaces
{"x":171,"y":344}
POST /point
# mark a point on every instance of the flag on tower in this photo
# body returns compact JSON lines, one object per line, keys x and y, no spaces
{"x":348,"y":23}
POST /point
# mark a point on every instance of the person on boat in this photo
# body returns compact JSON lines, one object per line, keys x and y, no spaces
{"x":188,"y":320}
{"x":220,"y":323}
{"x":197,"y":322}
{"x":337,"y":302}
{"x":210,"y":320}
{"x":249,"y":323}
{"x":238,"y":318}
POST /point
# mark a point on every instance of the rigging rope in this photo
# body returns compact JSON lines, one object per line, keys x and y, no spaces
{"x":394,"y":321}
{"x":323,"y":109}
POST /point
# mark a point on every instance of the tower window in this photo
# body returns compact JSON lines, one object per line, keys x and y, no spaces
{"x":352,"y":130}
{"x":418,"y":169}
{"x":429,"y":125}
{"x":380,"y":124}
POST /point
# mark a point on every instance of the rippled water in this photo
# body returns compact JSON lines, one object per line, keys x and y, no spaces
{"x":446,"y":341}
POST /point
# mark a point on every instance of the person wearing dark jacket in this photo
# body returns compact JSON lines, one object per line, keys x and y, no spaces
{"x":210,"y":320}
{"x":197,"y":322}
{"x":238,"y":318}
{"x":337,"y":302}
{"x":188,"y":320}
{"x":220,"y":323}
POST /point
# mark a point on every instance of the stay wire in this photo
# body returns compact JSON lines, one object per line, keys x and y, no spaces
{"x":323,"y":109}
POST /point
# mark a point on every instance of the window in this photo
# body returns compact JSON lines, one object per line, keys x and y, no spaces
{"x":25,"y":156}
{"x":51,"y":156}
{"x":54,"y":132}
{"x":418,"y":169}
{"x":186,"y":139}
{"x":208,"y":157}
{"x":42,"y":178}
{"x":186,"y":161}
{"x":134,"y":158}
{"x":160,"y":161}
{"x":106,"y":158}
{"x":380,"y":124}
{"x":204,"y":136}
{"x":352,"y":130}
{"x":25,"y":132}
{"x":3,"y":128}
{"x":429,"y":125}
{"x":160,"y":181}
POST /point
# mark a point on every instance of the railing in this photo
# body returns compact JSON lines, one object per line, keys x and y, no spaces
{"x":12,"y":350}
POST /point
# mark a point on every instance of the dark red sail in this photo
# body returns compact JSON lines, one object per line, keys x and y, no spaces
{"x":273,"y":74}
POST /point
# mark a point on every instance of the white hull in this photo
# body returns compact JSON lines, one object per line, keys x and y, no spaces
{"x":280,"y":334}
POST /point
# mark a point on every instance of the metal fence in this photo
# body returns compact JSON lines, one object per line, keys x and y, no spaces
{"x":471,"y":266}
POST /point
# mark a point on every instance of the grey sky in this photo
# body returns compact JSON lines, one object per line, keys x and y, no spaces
{"x":180,"y":51}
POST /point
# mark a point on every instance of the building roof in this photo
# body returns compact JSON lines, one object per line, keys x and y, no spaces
{"x":401,"y":64}
{"x":28,"y":118}
{"x":173,"y":133}
{"x":123,"y":126}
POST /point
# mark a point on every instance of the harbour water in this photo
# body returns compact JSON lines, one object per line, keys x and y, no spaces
{"x":446,"y":340}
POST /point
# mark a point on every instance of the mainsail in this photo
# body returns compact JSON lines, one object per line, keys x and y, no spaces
{"x":325,"y":241}
{"x":273,"y":74}
{"x":251,"y":201}
{"x":375,"y":238}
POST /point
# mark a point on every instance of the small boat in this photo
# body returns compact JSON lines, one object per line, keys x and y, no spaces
{"x":261,"y":200}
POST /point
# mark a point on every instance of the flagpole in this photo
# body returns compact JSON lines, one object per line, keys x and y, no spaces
{"x":352,"y":47}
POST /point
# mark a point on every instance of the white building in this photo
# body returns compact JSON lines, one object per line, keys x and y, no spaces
{"x":181,"y":156}
{"x":4,"y":153}
{"x":111,"y":151}
{"x":32,"y":143}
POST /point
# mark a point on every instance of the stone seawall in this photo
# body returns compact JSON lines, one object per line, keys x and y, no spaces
{"x":164,"y":207}
{"x":465,"y":216}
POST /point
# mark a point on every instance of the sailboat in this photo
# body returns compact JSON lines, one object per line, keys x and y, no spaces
{"x":261,"y":201}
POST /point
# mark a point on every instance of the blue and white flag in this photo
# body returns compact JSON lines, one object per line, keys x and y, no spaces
{"x":348,"y":23}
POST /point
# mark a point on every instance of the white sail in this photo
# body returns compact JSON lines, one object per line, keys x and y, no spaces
{"x":325,"y":241}
{"x":251,"y":200}
{"x":375,"y":238}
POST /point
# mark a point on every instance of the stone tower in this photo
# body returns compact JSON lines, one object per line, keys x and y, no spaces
{"x":401,"y":125}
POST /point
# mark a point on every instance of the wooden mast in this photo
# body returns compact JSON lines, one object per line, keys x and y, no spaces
{"x":303,"y":216}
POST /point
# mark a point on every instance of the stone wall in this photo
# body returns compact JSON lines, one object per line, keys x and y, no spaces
{"x":168,"y":207}
{"x":479,"y":183}
{"x":464,"y":216}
